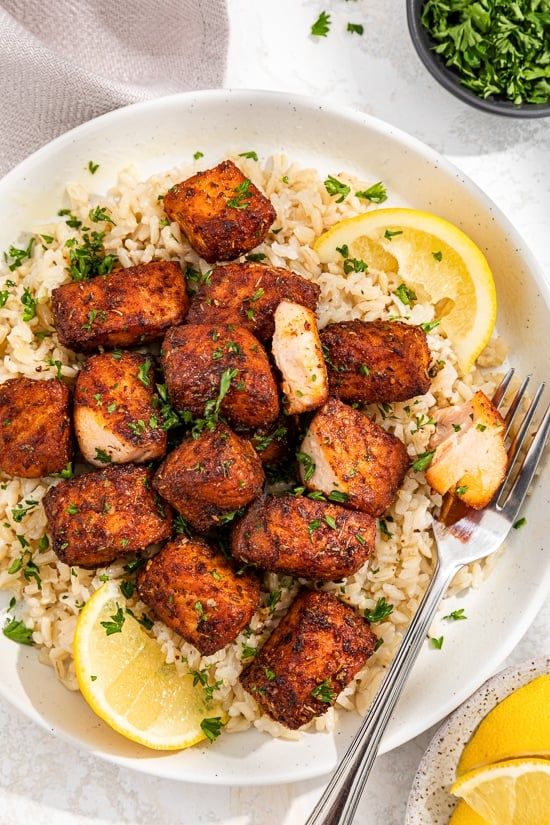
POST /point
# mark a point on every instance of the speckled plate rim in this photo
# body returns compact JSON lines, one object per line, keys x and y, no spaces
{"x":429,"y":801}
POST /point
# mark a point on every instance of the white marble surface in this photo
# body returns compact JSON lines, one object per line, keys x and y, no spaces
{"x":45,"y":781}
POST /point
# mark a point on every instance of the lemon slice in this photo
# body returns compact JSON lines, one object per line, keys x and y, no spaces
{"x":508,"y":793}
{"x":517,"y":726}
{"x":464,"y":815}
{"x":435,"y":259}
{"x":123,"y":676}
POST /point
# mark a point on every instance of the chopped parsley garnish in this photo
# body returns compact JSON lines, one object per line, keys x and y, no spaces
{"x":212,"y":727}
{"x":355,"y":28}
{"x":88,"y":259}
{"x":57,"y":364}
{"x":93,"y":315}
{"x":438,"y":256}
{"x":29,"y":302}
{"x":143,"y":372}
{"x":18,"y":513}
{"x":313,"y":526}
{"x":249,"y":155}
{"x":391,"y":233}
{"x":519,"y":523}
{"x":428,"y":326}
{"x":47,"y":238}
{"x":70,"y":219}
{"x":324,"y":692}
{"x":127,"y":589}
{"x":201,"y":613}
{"x":4,"y":295}
{"x":115,"y":625}
{"x":481,"y":427}
{"x":135,"y":564}
{"x":92,"y":167}
{"x":212,"y":407}
{"x":382,"y":524}
{"x":248,"y":651}
{"x":198,"y":155}
{"x":336,"y":188}
{"x":321,"y":27}
{"x":331,"y":521}
{"x":437,"y":642}
{"x":18,"y":632}
{"x":101,"y":455}
{"x":72,"y":509}
{"x":496,"y":47}
{"x":456,"y":615}
{"x":381,"y":611}
{"x":343,"y":250}
{"x":270,"y":674}
{"x":364,"y":370}
{"x":255,"y":257}
{"x":262,"y":442}
{"x":461,"y":490}
{"x":19,"y":255}
{"x":423,"y":461}
{"x":336,"y":495}
{"x":100,"y":214}
{"x":308,"y":464}
{"x":241,"y":193}
{"x":406,"y":295}
{"x":355,"y":265}
{"x":196,"y":279}
{"x":273,"y":600}
{"x":375,"y":194}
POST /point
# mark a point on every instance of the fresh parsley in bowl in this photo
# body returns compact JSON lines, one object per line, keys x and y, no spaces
{"x":492,"y":54}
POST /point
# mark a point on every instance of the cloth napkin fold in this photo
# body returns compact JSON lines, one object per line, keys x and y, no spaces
{"x":63,"y":62}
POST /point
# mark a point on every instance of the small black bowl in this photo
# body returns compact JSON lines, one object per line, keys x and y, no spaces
{"x":450,"y":80}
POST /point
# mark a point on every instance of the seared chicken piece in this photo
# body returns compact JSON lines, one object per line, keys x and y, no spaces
{"x":297,"y":351}
{"x":295,"y":535}
{"x":196,"y":356}
{"x":97,"y":517}
{"x":194,"y":590}
{"x":206,"y":479}
{"x":114,"y":413}
{"x":378,"y":361}
{"x":470,"y":458}
{"x":248,"y":294}
{"x":345,"y":451}
{"x":274,"y":443}
{"x":312,"y":655}
{"x":35,"y":427}
{"x":127,"y":307}
{"x":220,"y":211}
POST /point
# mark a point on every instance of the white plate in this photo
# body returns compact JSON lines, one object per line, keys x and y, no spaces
{"x":430,"y":801}
{"x":162,"y":133}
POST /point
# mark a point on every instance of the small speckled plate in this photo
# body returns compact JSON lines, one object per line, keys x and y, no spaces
{"x":430,"y":802}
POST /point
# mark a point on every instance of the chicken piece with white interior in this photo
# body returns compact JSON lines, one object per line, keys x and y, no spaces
{"x":297,"y":351}
{"x":470,"y":458}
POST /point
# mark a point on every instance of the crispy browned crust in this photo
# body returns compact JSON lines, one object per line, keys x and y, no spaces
{"x":217,"y":231}
{"x":378,"y":361}
{"x":117,"y":513}
{"x":289,"y":534}
{"x":35,"y":427}
{"x":195,"y":356}
{"x":321,"y":640}
{"x":371,"y":462}
{"x":109,"y":387}
{"x":209,"y":477}
{"x":248,"y":294}
{"x":196,"y":592}
{"x":127,"y":307}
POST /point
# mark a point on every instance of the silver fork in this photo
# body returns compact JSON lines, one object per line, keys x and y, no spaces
{"x":474,"y":536}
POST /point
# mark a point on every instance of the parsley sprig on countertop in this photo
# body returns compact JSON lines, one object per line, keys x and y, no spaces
{"x":498,"y":47}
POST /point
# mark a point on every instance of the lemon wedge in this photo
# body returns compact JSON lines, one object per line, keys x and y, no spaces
{"x":517,"y":726}
{"x":432,"y":257}
{"x":464,"y":815}
{"x":508,"y":793}
{"x":123,"y":676}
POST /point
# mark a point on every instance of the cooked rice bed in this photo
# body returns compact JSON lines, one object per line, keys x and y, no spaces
{"x":402,"y":564}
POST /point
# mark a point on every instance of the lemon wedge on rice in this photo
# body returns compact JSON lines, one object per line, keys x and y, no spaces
{"x":516,"y":792}
{"x":123,"y":676}
{"x":432,"y":257}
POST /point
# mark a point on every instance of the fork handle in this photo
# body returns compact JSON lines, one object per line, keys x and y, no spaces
{"x":339,"y":801}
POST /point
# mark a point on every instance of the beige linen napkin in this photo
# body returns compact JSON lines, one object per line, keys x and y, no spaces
{"x":63,"y":62}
